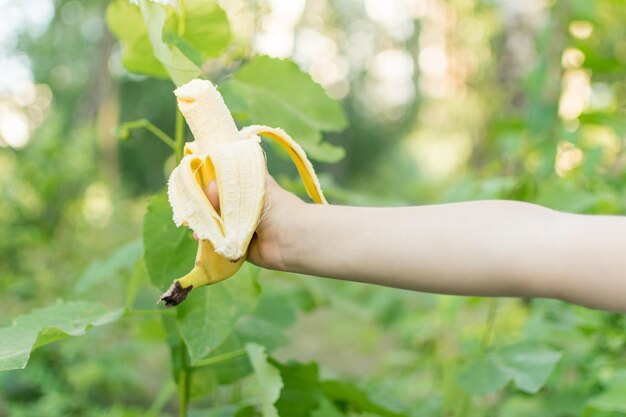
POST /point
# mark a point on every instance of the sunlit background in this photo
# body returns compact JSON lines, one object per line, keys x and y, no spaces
{"x":434,"y":70}
{"x":447,"y":100}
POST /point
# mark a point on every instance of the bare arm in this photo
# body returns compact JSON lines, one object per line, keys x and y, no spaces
{"x":489,"y":248}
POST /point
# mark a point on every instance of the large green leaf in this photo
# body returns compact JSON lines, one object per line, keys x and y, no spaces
{"x":273,"y":314}
{"x":277,"y":93}
{"x":99,"y":271}
{"x":45,"y":325}
{"x":208,"y":315}
{"x":180,"y":68}
{"x":611,"y":400}
{"x":195,"y":56}
{"x":152,"y":45}
{"x":268,"y":378}
{"x":179,"y":358}
{"x":126,"y":23}
{"x":484,"y":375}
{"x":527,"y":365}
{"x":206,"y":27}
{"x":226,"y":364}
{"x":264,"y":327}
{"x":355,"y":399}
{"x":327,"y":409}
{"x":302,"y":391}
{"x":169,"y":251}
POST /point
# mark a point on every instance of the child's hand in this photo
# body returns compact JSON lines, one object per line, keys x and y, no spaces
{"x":274,"y":231}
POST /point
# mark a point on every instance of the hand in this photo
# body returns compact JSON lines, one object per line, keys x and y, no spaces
{"x":274,"y":232}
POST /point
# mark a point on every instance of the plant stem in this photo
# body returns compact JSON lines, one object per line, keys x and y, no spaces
{"x":146,"y":124}
{"x":490,"y":322}
{"x":181,"y":17}
{"x":220,"y":358}
{"x":179,"y":135}
{"x":179,"y":132}
{"x":161,"y":399}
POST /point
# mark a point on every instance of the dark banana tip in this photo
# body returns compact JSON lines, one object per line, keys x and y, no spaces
{"x":175,"y":294}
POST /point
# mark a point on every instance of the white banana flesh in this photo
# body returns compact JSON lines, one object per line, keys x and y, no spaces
{"x":236,"y":161}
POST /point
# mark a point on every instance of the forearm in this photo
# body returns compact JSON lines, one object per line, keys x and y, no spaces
{"x":592,"y":262}
{"x":490,"y":248}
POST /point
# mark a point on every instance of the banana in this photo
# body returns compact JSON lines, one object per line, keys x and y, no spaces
{"x":209,"y":268}
{"x":236,"y":161}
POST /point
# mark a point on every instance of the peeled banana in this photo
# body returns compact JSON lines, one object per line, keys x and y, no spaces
{"x":236,"y":161}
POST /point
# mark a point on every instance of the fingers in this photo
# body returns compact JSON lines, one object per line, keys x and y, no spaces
{"x":212,"y":193}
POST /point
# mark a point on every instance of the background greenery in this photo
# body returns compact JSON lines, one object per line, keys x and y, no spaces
{"x":443,"y":100}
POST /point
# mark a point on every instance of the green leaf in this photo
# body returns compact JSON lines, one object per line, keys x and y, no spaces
{"x":169,"y":252}
{"x":45,"y":325}
{"x":256,"y":330}
{"x":178,"y":351}
{"x":273,"y":314}
{"x":354,"y":399}
{"x":528,"y":365}
{"x":138,"y":277}
{"x":206,"y":27}
{"x":125,"y":21}
{"x":268,"y":378}
{"x":611,"y":400}
{"x":99,"y":271}
{"x":301,"y":392}
{"x":484,"y":375}
{"x":227,"y":364}
{"x":249,"y":411}
{"x":151,"y":44}
{"x":208,"y":315}
{"x":177,"y":65}
{"x":277,"y":93}
{"x":327,"y":409}
{"x":184,"y":46}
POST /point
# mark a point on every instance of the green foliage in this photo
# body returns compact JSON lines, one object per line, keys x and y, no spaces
{"x":178,"y":66}
{"x":99,"y":271}
{"x":266,"y":343}
{"x":207,"y":320}
{"x":46,"y":325}
{"x":207,"y":32}
{"x":302,"y":391}
{"x":169,"y":251}
{"x":527,"y":364}
{"x":612,"y":400}
{"x":268,"y":377}
{"x":273,"y":314}
{"x":153,"y":43}
{"x":277,"y":93}
{"x":126,"y":22}
{"x":349,"y":397}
